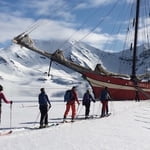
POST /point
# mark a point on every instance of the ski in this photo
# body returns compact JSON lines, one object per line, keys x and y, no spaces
{"x":93,"y":117}
{"x":5,"y":133}
{"x":38,"y":128}
{"x":67,"y":121}
{"x":100,"y":117}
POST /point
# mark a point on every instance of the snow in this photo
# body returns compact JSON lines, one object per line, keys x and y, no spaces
{"x":127,"y":128}
{"x":24,"y":72}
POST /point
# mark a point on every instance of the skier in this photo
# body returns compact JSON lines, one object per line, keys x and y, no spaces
{"x":104,"y":97}
{"x":2,"y":96}
{"x":71,"y":103}
{"x":87,"y":98}
{"x":44,"y":106}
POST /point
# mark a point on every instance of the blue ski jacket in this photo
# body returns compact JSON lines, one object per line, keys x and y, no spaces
{"x":43,"y":99}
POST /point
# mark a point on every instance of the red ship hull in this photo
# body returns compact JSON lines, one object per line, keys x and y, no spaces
{"x":120,"y":89}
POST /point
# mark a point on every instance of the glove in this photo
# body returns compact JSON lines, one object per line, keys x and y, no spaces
{"x":11,"y":102}
{"x":50,"y":106}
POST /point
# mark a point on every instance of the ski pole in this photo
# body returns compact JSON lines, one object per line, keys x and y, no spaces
{"x":112,"y":107}
{"x":0,"y":112}
{"x":78,"y":111}
{"x":10,"y":115}
{"x":38,"y":115}
{"x":93,"y":110}
{"x":98,"y":110}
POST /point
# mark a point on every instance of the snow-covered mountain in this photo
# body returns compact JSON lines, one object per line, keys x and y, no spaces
{"x":26,"y":71}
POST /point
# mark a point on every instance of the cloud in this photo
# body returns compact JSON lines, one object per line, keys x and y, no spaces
{"x":57,"y":20}
{"x":11,"y":26}
{"x":46,"y":29}
{"x":50,"y":8}
{"x":65,"y":31}
{"x":93,"y":3}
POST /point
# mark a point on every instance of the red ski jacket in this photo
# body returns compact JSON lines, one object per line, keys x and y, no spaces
{"x":2,"y":96}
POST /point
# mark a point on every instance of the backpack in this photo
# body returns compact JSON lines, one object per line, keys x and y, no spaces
{"x":68,"y":96}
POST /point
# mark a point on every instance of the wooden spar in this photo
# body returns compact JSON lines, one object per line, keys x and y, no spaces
{"x":57,"y":56}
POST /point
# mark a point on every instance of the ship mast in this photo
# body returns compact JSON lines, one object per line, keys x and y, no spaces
{"x":133,"y":76}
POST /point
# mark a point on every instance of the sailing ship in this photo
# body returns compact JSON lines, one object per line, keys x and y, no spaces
{"x":121,"y":87}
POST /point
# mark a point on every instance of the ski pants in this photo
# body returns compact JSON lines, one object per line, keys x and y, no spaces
{"x":44,"y":115}
{"x":73,"y":108}
{"x":104,"y":107}
{"x":87,"y":109}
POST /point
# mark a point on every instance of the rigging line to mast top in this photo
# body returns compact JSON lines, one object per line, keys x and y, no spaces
{"x":145,"y":22}
{"x":122,"y":14}
{"x":80,"y":27}
{"x":100,"y":21}
{"x":148,"y":16}
{"x":38,"y":22}
{"x":127,"y":36}
{"x":29,"y":29}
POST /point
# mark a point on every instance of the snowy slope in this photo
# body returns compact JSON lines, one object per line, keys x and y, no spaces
{"x":126,"y":129}
{"x":22,"y":74}
{"x":22,"y":67}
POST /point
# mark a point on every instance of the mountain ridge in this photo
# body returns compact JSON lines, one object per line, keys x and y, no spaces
{"x":29,"y":68}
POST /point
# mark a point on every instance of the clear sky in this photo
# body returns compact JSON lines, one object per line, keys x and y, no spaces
{"x":91,"y":21}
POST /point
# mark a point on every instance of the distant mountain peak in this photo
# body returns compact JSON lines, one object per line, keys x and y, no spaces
{"x":31,"y":66}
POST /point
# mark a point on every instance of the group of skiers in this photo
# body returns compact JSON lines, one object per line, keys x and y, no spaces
{"x":71,"y":99}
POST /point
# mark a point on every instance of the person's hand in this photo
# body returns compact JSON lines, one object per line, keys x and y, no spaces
{"x":50,"y":106}
{"x":11,"y":102}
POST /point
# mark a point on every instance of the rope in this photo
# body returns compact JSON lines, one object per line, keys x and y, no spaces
{"x":93,"y":29}
{"x":80,"y":27}
{"x":28,"y":30}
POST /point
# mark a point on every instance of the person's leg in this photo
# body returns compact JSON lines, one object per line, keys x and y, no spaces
{"x":103,"y":109}
{"x":46,"y":117}
{"x":87,"y":110}
{"x":67,"y":110}
{"x":42,"y":116}
{"x":107,"y":110}
{"x":73,"y":107}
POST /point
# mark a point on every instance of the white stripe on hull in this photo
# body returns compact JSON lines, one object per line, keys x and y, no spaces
{"x":96,"y":83}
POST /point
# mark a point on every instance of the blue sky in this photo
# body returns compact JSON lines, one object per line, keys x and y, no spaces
{"x":66,"y":20}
